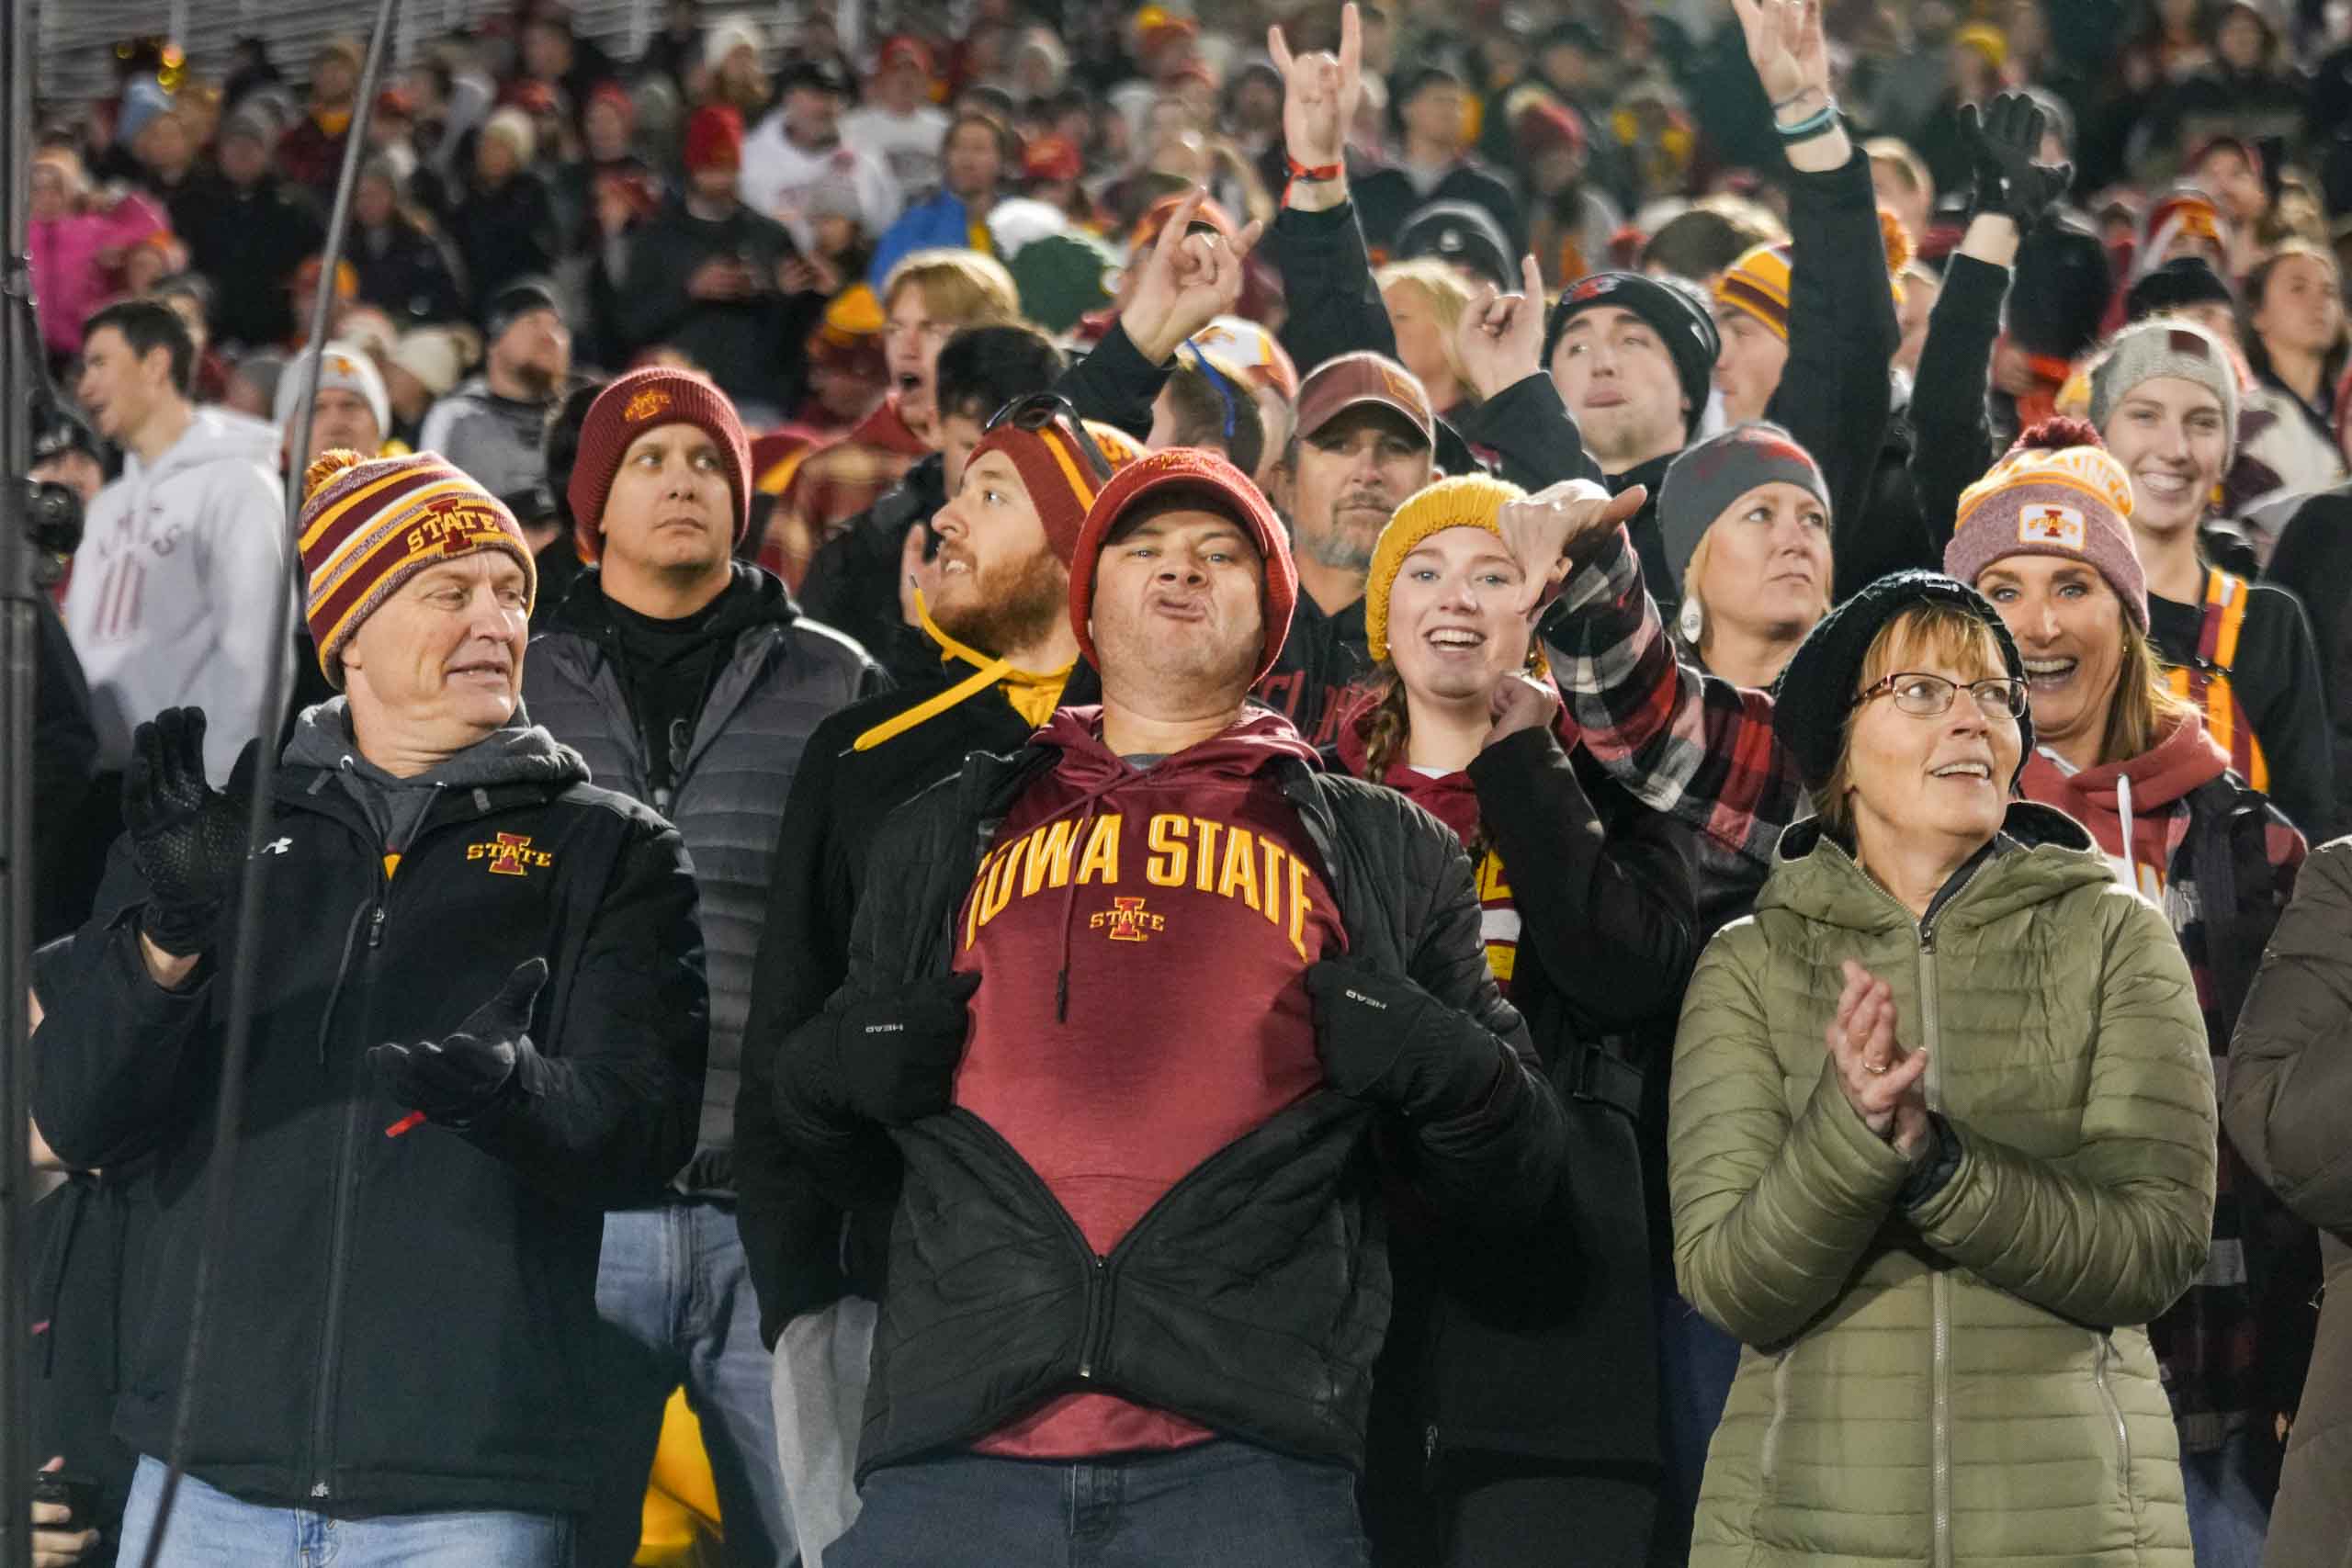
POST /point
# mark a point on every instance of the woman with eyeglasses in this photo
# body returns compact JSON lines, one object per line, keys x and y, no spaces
{"x":1941,"y":1136}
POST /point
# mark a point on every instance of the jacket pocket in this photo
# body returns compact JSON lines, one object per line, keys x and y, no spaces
{"x":2119,"y":1433}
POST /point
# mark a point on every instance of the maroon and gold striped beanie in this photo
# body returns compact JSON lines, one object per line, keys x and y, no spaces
{"x":369,"y":526}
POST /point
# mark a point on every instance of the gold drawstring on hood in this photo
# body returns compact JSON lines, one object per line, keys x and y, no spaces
{"x":1032,"y":695}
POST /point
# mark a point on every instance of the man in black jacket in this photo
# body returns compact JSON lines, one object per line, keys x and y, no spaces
{"x":247,"y":231}
{"x":704,"y":277}
{"x":687,"y":681}
{"x":1000,"y":658}
{"x":479,"y":1019}
{"x":1142,"y":1244}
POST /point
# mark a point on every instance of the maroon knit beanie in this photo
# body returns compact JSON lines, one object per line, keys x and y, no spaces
{"x":1061,"y":476}
{"x":629,"y":407}
{"x":1225,"y":487}
{"x":2073,"y":501}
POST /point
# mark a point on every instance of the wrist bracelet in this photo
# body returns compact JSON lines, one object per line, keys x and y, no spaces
{"x":1799,"y":96}
{"x":1314,"y":173}
{"x":1810,"y":126}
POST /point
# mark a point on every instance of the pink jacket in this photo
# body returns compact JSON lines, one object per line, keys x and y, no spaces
{"x":71,"y":279}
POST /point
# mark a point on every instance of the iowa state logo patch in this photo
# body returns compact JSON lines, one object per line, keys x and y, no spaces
{"x":510,"y":854}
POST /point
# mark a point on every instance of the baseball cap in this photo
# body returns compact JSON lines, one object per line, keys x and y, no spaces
{"x":1352,"y":380}
{"x":826,"y":75}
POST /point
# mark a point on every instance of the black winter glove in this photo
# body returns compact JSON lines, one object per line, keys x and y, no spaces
{"x":458,"y":1079}
{"x":188,"y":837}
{"x":1391,"y":1043}
{"x":2004,"y":142}
{"x":891,"y":1059}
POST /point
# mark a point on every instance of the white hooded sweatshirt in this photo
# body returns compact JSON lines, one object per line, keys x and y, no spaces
{"x":170,"y":602}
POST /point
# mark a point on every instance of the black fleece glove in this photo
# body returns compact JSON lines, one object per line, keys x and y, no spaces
{"x":188,"y":837}
{"x":2004,"y":142}
{"x":891,"y":1059}
{"x":462,"y":1077}
{"x":1391,"y":1043}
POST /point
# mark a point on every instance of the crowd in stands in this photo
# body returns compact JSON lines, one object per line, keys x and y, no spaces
{"x":1237,"y":783}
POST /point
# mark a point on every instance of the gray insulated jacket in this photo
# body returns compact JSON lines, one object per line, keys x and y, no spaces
{"x":784,"y":675}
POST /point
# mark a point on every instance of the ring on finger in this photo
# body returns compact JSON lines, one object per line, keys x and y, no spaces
{"x":1876,"y":1068}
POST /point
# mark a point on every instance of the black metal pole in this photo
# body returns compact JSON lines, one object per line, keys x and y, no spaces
{"x":19,"y":344}
{"x":219,"y":1180}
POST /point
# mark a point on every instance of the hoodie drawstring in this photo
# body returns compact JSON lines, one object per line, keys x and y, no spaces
{"x":2123,"y":807}
{"x":1034,"y":695}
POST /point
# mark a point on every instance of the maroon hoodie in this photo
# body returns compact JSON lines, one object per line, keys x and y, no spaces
{"x":1141,"y":937}
{"x":2149,"y":793}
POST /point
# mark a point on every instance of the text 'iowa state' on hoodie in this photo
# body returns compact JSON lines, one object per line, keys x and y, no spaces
{"x":2136,"y":808}
{"x":1141,"y":937}
{"x":170,"y":602}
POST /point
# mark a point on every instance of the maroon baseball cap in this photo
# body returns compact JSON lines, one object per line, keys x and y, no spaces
{"x":1352,"y":380}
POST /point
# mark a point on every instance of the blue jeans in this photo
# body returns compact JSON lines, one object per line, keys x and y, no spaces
{"x":677,"y":1307}
{"x":1221,"y":1505}
{"x":209,"y":1528}
{"x":2227,"y":1521}
{"x":1697,"y":1362}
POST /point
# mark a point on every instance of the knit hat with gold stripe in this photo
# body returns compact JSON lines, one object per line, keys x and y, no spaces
{"x":1059,"y":473}
{"x":1758,"y":283}
{"x":368,"y":526}
{"x":1466,"y":501}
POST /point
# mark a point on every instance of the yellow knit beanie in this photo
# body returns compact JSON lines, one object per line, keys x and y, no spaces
{"x":1467,"y":501}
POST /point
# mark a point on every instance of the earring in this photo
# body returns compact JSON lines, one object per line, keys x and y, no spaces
{"x":1691,"y":621}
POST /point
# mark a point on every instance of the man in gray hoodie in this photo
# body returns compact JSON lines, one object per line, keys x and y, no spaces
{"x":169,"y":606}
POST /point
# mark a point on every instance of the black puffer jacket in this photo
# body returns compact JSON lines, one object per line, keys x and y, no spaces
{"x":400,"y":1324}
{"x":782,"y":675}
{"x":995,"y":1303}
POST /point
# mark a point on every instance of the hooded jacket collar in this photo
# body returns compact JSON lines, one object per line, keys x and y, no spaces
{"x":750,"y":598}
{"x":522,"y":753}
{"x":2040,"y":854}
{"x":2129,"y":806}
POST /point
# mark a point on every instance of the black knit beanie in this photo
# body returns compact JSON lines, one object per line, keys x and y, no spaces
{"x":1817,"y":690}
{"x":1675,"y":310}
{"x":2181,"y":283}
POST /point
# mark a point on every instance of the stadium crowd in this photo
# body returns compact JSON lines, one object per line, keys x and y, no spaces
{"x":1271,"y":784}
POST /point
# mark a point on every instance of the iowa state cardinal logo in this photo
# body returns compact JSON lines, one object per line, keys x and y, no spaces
{"x":2042,"y":524}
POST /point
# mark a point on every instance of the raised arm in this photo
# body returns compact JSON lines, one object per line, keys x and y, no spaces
{"x":1519,"y":412}
{"x":1681,"y":741}
{"x":1835,"y":394}
{"x":1607,"y":915}
{"x":1948,"y":416}
{"x":1316,"y":241}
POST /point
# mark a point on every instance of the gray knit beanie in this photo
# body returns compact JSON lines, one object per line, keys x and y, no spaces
{"x":2168,"y":346}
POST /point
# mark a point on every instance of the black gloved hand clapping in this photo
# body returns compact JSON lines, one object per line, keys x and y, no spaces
{"x":188,"y":837}
{"x":1389,"y":1043}
{"x":460,"y":1078}
{"x":2004,"y":143}
{"x":891,"y":1059}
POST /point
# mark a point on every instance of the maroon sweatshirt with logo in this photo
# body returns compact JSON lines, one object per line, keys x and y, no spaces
{"x":1141,"y":937}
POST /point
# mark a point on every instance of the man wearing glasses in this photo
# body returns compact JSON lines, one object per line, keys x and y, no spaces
{"x":688,"y":678}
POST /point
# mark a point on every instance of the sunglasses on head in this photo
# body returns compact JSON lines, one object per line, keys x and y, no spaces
{"x":1033,"y":412}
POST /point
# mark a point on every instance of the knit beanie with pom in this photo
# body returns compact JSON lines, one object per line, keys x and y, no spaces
{"x":367,"y":526}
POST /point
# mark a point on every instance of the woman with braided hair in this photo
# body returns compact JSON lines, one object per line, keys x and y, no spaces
{"x":1519,"y":1400}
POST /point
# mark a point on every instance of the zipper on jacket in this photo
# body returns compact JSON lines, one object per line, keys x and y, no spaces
{"x":1939,"y":1280}
{"x":346,"y":1179}
{"x":2114,"y":1415}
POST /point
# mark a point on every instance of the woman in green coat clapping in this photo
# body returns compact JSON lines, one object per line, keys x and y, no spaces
{"x":1942,"y":1137}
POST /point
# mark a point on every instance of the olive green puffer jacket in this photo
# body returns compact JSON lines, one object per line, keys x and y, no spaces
{"x":1963,"y":1381}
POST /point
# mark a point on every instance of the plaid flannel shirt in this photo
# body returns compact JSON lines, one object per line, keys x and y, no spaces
{"x":1683,"y":741}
